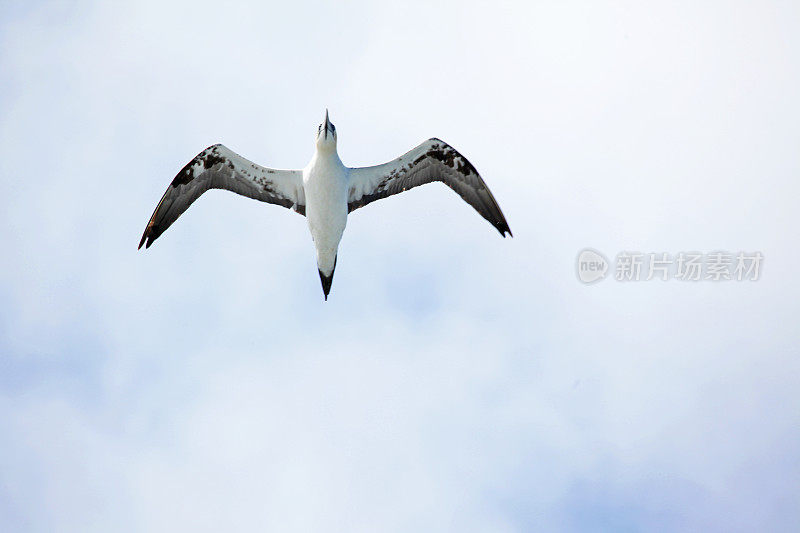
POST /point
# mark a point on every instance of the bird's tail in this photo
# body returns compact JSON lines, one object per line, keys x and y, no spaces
{"x":327,"y":280}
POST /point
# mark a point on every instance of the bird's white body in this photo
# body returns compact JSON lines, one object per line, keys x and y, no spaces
{"x":325,"y":181}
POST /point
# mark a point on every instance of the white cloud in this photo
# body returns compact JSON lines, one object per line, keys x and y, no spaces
{"x":455,"y":380}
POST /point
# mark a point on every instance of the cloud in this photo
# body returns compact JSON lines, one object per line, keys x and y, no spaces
{"x":454,"y":380}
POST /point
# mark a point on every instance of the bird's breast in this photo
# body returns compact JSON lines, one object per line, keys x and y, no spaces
{"x":326,"y":203}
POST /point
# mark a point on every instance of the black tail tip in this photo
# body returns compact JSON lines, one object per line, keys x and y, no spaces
{"x":327,"y":280}
{"x":326,"y":283}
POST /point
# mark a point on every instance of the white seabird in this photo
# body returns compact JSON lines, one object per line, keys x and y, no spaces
{"x":325,"y":191}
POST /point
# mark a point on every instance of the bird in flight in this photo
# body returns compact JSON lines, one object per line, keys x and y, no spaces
{"x":325,"y":191}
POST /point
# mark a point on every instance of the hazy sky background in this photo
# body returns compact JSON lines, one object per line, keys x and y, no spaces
{"x":454,"y":381}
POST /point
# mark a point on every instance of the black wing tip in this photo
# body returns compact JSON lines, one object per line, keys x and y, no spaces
{"x":148,"y":238}
{"x":502,"y":226}
{"x":500,"y":223}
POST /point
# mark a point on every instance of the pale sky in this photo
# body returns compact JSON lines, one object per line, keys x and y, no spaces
{"x":454,"y":380}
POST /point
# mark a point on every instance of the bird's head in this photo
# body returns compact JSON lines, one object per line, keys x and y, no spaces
{"x":326,"y":135}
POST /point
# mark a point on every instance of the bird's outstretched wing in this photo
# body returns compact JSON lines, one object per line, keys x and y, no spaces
{"x":433,"y":160}
{"x":218,"y":167}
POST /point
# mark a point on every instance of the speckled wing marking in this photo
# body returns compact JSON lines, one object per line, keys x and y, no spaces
{"x":217,"y":167}
{"x":433,"y":160}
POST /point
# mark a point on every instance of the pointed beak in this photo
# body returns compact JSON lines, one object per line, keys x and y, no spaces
{"x":327,"y":123}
